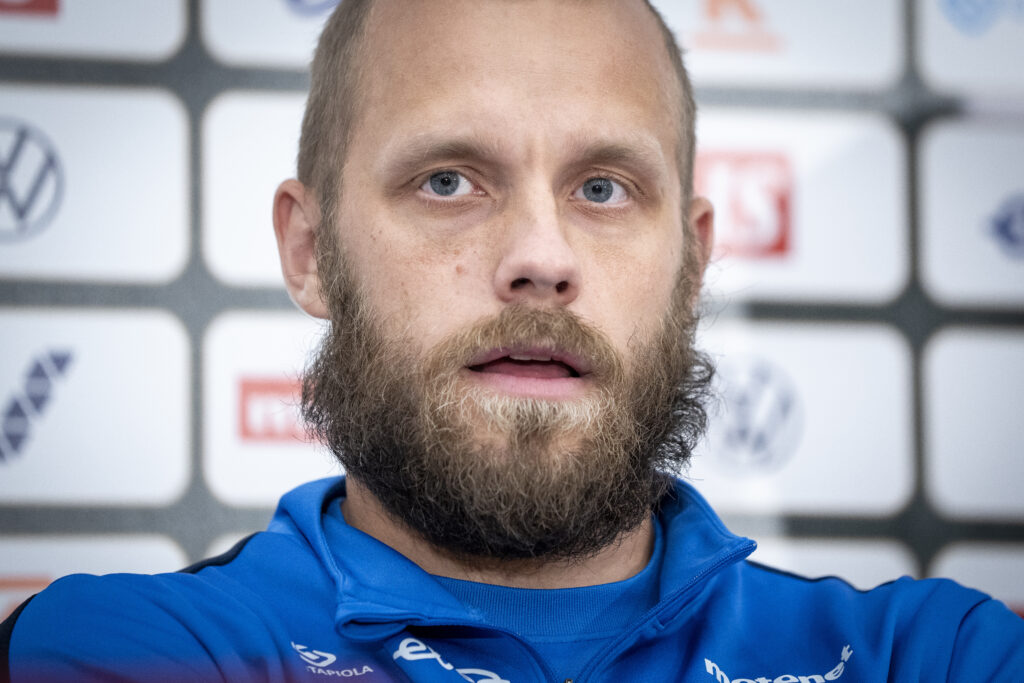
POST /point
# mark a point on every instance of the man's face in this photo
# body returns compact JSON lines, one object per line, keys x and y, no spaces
{"x":505,"y":280}
{"x":514,"y":152}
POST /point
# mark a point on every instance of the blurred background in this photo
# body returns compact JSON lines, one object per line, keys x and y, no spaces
{"x":865,"y":306}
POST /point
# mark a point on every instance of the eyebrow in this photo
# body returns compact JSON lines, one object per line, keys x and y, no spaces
{"x":636,"y":152}
{"x":639,"y":153}
{"x":428,"y":148}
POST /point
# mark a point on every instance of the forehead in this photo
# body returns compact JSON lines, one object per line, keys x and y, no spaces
{"x":577,"y":65}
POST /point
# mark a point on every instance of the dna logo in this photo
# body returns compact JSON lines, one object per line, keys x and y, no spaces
{"x":29,"y":404}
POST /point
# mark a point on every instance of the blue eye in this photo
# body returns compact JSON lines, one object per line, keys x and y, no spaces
{"x":601,"y":191}
{"x":447,"y":184}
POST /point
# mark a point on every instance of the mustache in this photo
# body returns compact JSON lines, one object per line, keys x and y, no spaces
{"x":527,"y":327}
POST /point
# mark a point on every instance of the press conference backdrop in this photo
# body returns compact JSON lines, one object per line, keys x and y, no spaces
{"x":866,"y":303}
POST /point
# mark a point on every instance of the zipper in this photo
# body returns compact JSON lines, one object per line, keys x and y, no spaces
{"x":618,"y":645}
{"x":671,"y":602}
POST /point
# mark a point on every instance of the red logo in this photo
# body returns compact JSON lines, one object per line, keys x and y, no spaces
{"x":753,"y":196}
{"x":268,"y":410}
{"x":15,"y":590}
{"x":735,"y":26}
{"x":50,"y":7}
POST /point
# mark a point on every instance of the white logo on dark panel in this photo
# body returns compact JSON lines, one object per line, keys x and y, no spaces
{"x":318,"y":661}
{"x":314,"y":657}
{"x":412,"y":650}
{"x":31,"y":180}
{"x":760,"y":425}
{"x":834,"y":675}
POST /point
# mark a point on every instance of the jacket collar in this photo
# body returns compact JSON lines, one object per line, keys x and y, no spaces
{"x":379,"y":592}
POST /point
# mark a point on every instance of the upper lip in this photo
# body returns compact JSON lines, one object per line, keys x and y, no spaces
{"x":527,"y":353}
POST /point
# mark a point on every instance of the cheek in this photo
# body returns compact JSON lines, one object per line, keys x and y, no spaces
{"x":431,"y":294}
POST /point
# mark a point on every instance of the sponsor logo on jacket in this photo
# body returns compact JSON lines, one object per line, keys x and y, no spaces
{"x":837,"y":671}
{"x":413,"y":650}
{"x":317,"y":662}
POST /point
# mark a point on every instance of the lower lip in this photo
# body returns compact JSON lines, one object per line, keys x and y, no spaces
{"x":554,"y":389}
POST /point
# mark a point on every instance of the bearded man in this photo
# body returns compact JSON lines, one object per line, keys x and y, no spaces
{"x":494,"y":212}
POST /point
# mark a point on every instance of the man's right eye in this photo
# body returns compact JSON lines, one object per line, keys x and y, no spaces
{"x":447,"y":184}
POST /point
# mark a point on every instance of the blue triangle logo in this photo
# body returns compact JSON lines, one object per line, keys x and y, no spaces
{"x":16,"y":440}
{"x":60,"y":360}
{"x":14,"y":412}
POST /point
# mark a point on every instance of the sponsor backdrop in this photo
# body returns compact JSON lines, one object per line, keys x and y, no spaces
{"x":865,"y":305}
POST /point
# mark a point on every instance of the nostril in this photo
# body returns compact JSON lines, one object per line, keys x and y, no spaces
{"x":520,"y":282}
{"x":561,"y":287}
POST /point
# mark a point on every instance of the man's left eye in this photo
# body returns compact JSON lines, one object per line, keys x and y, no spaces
{"x":447,"y":184}
{"x":601,"y":191}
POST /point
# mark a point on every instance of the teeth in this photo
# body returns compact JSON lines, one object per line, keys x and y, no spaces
{"x":515,"y":356}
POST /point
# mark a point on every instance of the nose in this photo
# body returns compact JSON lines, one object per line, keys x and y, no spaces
{"x":537,"y":265}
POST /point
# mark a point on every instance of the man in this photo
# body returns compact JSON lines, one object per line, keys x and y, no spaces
{"x":494,"y":212}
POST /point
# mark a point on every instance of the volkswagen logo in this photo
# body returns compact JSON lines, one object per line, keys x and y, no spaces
{"x":31,"y":180}
{"x":761,"y":422}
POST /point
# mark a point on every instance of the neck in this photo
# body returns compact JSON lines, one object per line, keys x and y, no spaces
{"x":624,"y":558}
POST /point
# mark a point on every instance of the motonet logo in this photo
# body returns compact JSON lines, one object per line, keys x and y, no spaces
{"x":43,"y":7}
{"x":834,"y":675}
{"x":268,"y":410}
{"x":752,"y":193}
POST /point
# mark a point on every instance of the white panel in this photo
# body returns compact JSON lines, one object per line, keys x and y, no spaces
{"x":111,"y":168}
{"x":249,"y":146}
{"x":29,"y":563}
{"x":812,"y":419}
{"x":808,"y":206}
{"x":972,"y":419}
{"x":994,"y":569}
{"x":972,"y":47}
{"x":254,"y":446}
{"x":972,"y":213}
{"x":95,"y":407}
{"x":790,"y":43}
{"x":281,"y":33}
{"x":94,"y":28}
{"x":865,"y":564}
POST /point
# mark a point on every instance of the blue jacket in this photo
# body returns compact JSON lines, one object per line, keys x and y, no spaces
{"x":283,"y":606}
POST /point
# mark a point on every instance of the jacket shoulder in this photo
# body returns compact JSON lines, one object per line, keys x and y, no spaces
{"x":937,"y":626}
{"x":211,"y":617}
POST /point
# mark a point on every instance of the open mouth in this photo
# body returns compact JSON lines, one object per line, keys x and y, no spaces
{"x":532,"y":363}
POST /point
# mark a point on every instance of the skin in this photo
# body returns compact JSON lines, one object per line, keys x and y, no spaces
{"x":526,"y":100}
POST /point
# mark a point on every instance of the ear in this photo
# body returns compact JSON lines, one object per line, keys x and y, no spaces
{"x":702,"y":218}
{"x":296,"y":218}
